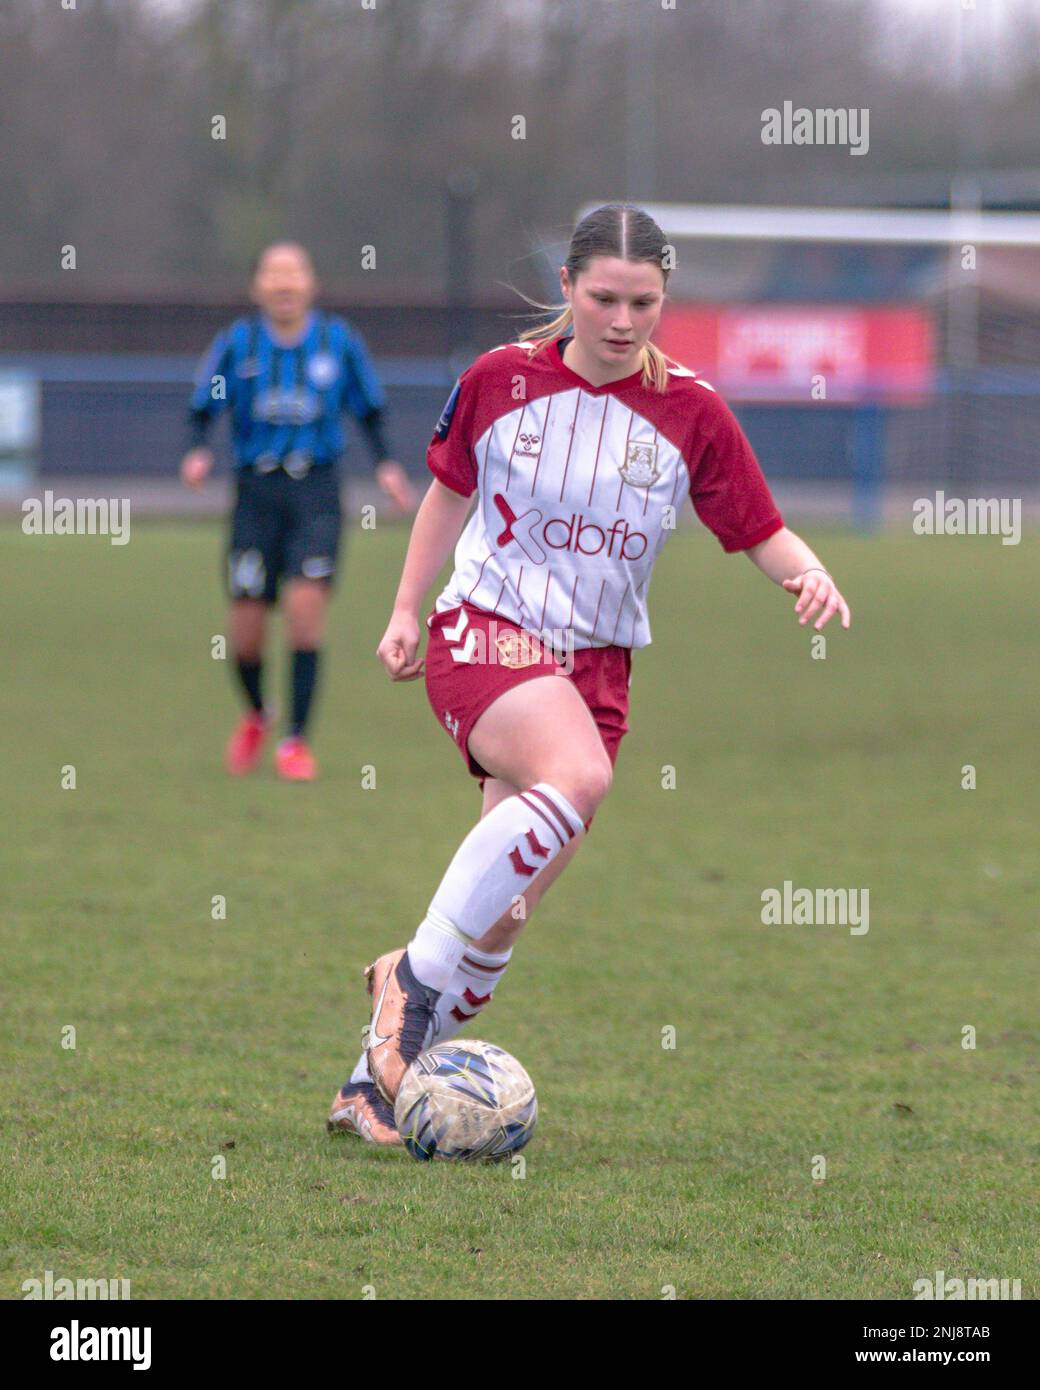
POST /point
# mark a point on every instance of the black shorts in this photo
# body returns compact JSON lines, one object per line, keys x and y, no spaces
{"x":283,"y":527}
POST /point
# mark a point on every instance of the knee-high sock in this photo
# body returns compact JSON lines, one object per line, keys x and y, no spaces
{"x":469,"y":991}
{"x":495,"y":864}
{"x":250,"y":674}
{"x":304,"y":679}
{"x":361,"y":1071}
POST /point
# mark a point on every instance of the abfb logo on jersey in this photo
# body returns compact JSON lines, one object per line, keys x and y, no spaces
{"x":573,"y":533}
{"x":586,"y":538}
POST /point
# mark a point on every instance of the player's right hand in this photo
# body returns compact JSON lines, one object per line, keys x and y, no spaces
{"x":397,"y":651}
{"x":195,"y":467}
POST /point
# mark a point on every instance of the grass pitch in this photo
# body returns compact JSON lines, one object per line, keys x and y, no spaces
{"x":653,"y":1168}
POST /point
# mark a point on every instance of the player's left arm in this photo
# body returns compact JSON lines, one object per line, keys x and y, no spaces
{"x":732,"y":498}
{"x":788,"y":561}
{"x":363,"y":396}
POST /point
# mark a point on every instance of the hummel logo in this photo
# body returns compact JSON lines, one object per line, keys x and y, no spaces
{"x":453,"y":634}
{"x":536,"y":848}
{"x":528,"y":446}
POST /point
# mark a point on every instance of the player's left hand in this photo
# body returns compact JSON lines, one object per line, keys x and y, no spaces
{"x":392,"y":478}
{"x":816,"y":591}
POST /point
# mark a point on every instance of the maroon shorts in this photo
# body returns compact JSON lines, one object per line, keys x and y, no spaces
{"x":474,"y":656}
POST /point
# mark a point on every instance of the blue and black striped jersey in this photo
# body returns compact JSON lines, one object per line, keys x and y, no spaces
{"x":288,"y":399}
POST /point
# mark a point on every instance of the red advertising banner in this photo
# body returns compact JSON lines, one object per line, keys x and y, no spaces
{"x":799,"y":353}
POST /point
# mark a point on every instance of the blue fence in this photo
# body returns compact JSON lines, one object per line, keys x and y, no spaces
{"x":113,"y":414}
{"x":125,"y":414}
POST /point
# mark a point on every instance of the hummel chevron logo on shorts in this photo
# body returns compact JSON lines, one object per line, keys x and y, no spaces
{"x":454,"y":634}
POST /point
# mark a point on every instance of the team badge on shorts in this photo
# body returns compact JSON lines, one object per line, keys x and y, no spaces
{"x":518,"y":649}
{"x":640,"y":466}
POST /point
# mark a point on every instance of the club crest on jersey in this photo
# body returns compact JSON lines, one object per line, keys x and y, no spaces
{"x":322,"y":369}
{"x":640,"y":466}
{"x":517,"y":649}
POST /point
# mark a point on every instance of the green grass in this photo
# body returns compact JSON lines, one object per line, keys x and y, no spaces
{"x":650,"y":1167}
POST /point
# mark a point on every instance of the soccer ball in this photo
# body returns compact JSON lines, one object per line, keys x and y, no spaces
{"x":465,"y":1100}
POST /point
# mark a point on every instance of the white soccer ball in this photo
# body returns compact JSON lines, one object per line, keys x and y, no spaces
{"x":465,"y":1100}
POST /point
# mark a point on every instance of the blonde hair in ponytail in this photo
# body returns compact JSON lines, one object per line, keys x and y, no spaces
{"x":617,"y":229}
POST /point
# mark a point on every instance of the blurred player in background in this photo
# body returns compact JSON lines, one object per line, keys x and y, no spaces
{"x":287,"y":372}
{"x":580,"y":442}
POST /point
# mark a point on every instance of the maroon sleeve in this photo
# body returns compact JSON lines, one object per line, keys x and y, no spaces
{"x":727,"y":486}
{"x":449,"y":456}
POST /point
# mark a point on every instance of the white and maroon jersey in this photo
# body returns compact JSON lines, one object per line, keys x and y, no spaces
{"x":579,"y":487}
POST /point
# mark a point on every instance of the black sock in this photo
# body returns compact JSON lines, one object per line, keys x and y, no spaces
{"x":304,"y":677}
{"x":249,"y":673}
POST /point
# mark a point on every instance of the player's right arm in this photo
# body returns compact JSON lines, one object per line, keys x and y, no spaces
{"x":211,"y":393}
{"x":438,"y":525}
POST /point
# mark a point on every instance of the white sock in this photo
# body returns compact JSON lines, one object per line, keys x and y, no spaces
{"x":496,"y":863}
{"x":468,"y":991}
{"x":361,"y":1071}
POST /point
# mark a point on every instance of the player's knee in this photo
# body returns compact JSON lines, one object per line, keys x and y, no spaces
{"x":597,"y":780}
{"x":584,"y":784}
{"x":305,"y":605}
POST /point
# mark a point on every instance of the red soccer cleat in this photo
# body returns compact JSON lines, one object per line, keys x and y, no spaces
{"x":246,"y":743}
{"x":294,"y":761}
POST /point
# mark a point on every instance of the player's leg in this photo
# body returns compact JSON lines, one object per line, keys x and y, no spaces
{"x":305,"y":605}
{"x":247,"y":625}
{"x":483,"y":965}
{"x":252,"y":588}
{"x":539,"y":736}
{"x":311,"y":548}
{"x":501,"y":935}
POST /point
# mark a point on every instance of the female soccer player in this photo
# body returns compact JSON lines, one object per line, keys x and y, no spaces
{"x":288,"y":373}
{"x":579,"y":441}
